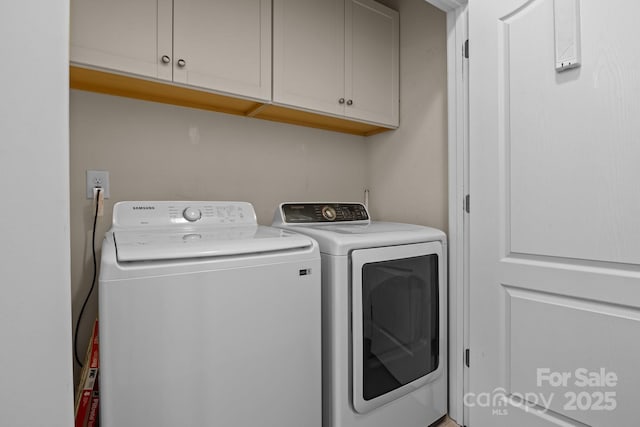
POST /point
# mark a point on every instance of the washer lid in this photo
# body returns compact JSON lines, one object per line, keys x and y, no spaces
{"x":200,"y":242}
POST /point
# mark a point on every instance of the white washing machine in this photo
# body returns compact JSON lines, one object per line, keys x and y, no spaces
{"x":207,"y":319}
{"x":383,"y":315}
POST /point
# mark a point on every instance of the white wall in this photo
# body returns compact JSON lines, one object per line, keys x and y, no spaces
{"x":35,"y":312}
{"x":163,"y":152}
{"x":407,"y":168}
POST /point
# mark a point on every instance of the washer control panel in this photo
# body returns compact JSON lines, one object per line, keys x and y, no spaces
{"x":302,"y":213}
{"x":136,"y":214}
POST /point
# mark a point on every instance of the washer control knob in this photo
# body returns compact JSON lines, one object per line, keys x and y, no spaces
{"x":329,"y":213}
{"x":192,"y":214}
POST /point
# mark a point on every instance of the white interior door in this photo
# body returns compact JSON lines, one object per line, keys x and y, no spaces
{"x":555,"y":217}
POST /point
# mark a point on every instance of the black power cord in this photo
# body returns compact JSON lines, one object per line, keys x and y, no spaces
{"x":93,"y":282}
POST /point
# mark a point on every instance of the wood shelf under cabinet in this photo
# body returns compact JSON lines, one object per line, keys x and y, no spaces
{"x":149,"y":90}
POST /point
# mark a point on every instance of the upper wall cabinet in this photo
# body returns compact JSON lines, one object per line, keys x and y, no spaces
{"x":221,"y":45}
{"x":338,"y":57}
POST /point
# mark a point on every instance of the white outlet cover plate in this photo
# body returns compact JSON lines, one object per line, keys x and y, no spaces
{"x":98,"y":177}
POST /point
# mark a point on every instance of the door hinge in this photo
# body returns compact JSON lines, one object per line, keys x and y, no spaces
{"x":465,"y":49}
{"x":466,"y":357}
{"x":465,"y":204}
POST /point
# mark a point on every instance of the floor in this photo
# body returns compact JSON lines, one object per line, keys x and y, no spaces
{"x":446,"y":422}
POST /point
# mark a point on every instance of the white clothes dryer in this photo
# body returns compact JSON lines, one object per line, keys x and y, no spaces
{"x":384,"y":315}
{"x":207,"y":319}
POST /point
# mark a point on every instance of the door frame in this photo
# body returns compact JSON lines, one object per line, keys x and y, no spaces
{"x":458,"y":130}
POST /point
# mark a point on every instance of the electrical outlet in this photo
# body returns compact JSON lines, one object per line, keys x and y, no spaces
{"x":98,"y":179}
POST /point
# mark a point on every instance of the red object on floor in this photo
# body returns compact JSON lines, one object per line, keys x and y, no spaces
{"x":87,"y":401}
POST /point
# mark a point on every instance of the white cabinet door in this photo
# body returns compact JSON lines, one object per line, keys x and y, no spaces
{"x":371,"y":62}
{"x":337,"y":57}
{"x":308,"y":54}
{"x":224,"y":45}
{"x":122,"y":35}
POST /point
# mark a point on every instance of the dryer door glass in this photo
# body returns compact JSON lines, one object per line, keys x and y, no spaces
{"x":399,"y":323}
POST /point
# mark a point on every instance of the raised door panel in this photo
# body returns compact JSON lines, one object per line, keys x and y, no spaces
{"x":308,"y":54}
{"x":122,"y":35}
{"x":571,"y":181}
{"x":225,"y":46}
{"x":372,"y":62}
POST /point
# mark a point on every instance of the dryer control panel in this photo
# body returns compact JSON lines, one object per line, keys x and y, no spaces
{"x":305,"y":213}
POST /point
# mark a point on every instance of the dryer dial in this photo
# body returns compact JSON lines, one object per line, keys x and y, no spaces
{"x":329,"y":213}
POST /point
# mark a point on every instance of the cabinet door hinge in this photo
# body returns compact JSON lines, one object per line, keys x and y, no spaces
{"x":466,"y":357}
{"x":465,"y":49}
{"x":465,"y":204}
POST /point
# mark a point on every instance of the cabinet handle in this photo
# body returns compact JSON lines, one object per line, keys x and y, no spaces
{"x":165,"y":59}
{"x":350,"y":102}
{"x":341,"y":101}
{"x":181,"y":63}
